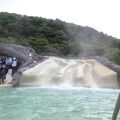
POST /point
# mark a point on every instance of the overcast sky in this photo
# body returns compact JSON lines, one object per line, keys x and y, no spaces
{"x":103,"y":15}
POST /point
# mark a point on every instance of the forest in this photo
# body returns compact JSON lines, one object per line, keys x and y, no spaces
{"x":57,"y":38}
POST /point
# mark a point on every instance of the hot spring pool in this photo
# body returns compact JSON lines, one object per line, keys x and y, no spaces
{"x":56,"y":104}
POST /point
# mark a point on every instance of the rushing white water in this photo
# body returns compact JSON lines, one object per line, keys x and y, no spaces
{"x":69,"y":73}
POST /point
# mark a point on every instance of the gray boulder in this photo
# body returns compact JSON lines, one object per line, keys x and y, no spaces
{"x":110,"y":65}
{"x":26,"y":55}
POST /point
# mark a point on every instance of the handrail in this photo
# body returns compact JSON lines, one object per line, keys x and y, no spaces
{"x":116,"y":109}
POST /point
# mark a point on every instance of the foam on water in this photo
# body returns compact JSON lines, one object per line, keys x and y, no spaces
{"x":70,"y":88}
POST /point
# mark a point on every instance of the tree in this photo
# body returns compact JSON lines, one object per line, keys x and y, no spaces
{"x":113,"y":54}
{"x":39,"y":44}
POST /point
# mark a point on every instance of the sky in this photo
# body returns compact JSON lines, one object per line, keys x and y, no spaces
{"x":103,"y":15}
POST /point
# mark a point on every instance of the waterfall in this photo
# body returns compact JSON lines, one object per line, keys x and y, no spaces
{"x":69,"y":73}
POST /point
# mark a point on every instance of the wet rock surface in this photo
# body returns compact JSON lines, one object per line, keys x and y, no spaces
{"x":110,"y":65}
{"x":26,"y":55}
{"x":29,"y":58}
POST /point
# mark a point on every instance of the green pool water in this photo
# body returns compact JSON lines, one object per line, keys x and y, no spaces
{"x":56,"y":104}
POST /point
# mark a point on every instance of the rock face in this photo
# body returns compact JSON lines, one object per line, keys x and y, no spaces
{"x":70,"y":72}
{"x":28,"y":58}
{"x":20,"y":52}
{"x":25,"y":55}
{"x":110,"y":65}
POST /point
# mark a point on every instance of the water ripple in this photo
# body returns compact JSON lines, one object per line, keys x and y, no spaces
{"x":54,"y":104}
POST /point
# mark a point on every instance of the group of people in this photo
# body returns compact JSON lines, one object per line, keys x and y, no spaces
{"x":7,"y":67}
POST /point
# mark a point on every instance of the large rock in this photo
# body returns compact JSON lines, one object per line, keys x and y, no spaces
{"x":19,"y":51}
{"x":26,"y":55}
{"x":70,"y":72}
{"x":28,"y":59}
{"x":110,"y":65}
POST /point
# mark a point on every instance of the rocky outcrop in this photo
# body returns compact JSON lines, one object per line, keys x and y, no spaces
{"x":111,"y":65}
{"x":20,"y":52}
{"x":26,"y":55}
{"x":29,"y":58}
{"x":69,"y":72}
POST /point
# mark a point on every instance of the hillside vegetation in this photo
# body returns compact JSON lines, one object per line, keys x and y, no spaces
{"x":55,"y":37}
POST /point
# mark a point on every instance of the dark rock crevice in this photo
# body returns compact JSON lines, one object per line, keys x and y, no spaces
{"x":26,"y":55}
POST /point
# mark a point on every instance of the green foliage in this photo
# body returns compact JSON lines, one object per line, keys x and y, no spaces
{"x":75,"y":48}
{"x":113,"y":54}
{"x":116,"y":43}
{"x":24,"y":42}
{"x":99,"y":50}
{"x":56,"y":37}
{"x":7,"y":40}
{"x":39,"y":44}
